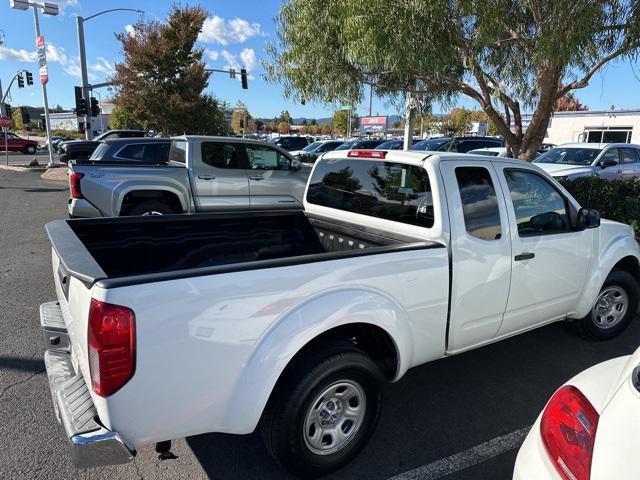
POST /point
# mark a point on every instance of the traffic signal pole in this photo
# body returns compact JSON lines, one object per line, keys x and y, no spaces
{"x":88,"y":129}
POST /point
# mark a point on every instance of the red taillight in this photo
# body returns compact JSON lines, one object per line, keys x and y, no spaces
{"x":367,"y":153}
{"x":568,"y":429}
{"x":74,"y":184}
{"x":111,"y":344}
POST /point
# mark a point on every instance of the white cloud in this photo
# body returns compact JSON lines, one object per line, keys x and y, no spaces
{"x":73,"y":69}
{"x":63,"y":4}
{"x":247,"y":60}
{"x":212,"y":54}
{"x":248,"y":57}
{"x":103,"y":66}
{"x":21,"y":55}
{"x":236,"y":30}
{"x":130,"y":30}
{"x":56,"y":54}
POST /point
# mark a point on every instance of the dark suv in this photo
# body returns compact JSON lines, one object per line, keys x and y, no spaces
{"x":82,"y":149}
{"x":144,"y":151}
{"x":290,"y":143}
{"x":457,"y":144}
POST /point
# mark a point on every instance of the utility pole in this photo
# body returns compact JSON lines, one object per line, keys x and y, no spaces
{"x":408,"y":123}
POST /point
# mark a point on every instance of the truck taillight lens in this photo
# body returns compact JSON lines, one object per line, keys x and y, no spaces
{"x":568,"y":429}
{"x":74,"y":184}
{"x":367,"y":154}
{"x":111,"y":345}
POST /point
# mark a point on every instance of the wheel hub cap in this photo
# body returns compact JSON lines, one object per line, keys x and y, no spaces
{"x":334,"y":417}
{"x":610,"y":308}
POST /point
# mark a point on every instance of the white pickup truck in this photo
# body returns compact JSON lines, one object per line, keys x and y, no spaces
{"x":291,"y":321}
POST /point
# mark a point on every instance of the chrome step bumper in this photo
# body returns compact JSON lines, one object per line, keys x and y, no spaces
{"x":92,"y":445}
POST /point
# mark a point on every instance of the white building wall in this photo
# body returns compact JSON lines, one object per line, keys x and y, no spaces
{"x":566,"y":127}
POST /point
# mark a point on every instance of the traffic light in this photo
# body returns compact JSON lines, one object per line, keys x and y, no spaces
{"x":24,"y":113}
{"x":81,"y":103}
{"x":95,"y":107}
{"x":243,"y":78}
{"x":29,"y":77}
{"x":8,"y":110}
{"x":20,"y":81}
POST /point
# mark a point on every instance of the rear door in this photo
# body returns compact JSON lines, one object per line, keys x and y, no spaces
{"x":613,"y":172}
{"x":629,"y":162}
{"x":550,"y":260}
{"x":480,"y":252}
{"x":272,"y":182}
{"x":219,"y":175}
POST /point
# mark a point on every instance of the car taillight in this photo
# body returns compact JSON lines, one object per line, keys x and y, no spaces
{"x":74,"y":184}
{"x":367,"y":153}
{"x":568,"y":429}
{"x":111,"y":345}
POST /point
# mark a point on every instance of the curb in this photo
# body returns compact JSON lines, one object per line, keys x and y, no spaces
{"x":58,"y":174}
{"x":15,"y":168}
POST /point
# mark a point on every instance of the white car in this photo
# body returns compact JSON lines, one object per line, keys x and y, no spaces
{"x":490,"y":151}
{"x":608,"y":160}
{"x":590,"y":429}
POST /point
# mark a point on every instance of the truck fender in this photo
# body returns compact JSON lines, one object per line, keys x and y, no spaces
{"x":618,"y":247}
{"x":296,"y":328}
{"x":122,"y":189}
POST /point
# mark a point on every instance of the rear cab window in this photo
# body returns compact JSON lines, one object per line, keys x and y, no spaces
{"x":178,"y":152}
{"x":386,"y":190}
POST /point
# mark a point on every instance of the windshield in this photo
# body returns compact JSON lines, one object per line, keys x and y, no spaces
{"x":312,"y":147}
{"x":274,"y":140}
{"x":99,"y":152}
{"x":345,"y":146}
{"x":569,"y":156}
{"x":434,"y":144}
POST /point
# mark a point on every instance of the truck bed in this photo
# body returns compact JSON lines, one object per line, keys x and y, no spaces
{"x":158,"y":247}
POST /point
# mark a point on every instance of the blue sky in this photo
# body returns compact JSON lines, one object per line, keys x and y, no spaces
{"x":235,"y":33}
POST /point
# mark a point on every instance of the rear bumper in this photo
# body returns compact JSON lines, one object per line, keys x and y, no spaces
{"x":79,"y":207}
{"x":92,"y":445}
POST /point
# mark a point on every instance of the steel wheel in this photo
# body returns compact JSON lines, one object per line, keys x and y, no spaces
{"x":152,"y":212}
{"x":610,"y":308}
{"x":334,"y":417}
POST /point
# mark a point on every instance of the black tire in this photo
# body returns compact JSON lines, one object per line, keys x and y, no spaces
{"x":282,"y":423}
{"x":30,"y":150}
{"x":618,"y":280}
{"x":150,"y":207}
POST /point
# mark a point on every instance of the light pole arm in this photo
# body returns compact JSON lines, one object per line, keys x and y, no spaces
{"x":111,"y":10}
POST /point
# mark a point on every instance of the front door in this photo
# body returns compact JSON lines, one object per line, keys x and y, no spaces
{"x":480,"y":252}
{"x":550,"y":260}
{"x":272,"y":182}
{"x":220,"y":178}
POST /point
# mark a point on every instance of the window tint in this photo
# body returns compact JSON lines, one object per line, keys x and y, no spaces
{"x":178,"y":152}
{"x":479,"y":203}
{"x":610,"y":155}
{"x":223,"y":155}
{"x":99,"y":152}
{"x":627,"y":155}
{"x":539,"y":208}
{"x":132,"y":152}
{"x":265,"y":158}
{"x":156,"y":153}
{"x":387,"y":190}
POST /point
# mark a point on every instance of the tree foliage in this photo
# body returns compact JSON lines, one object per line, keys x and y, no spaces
{"x":120,"y":118}
{"x":569,"y":103}
{"x":161,"y":80}
{"x":16,"y":119}
{"x":340,"y":122}
{"x":507,"y":55}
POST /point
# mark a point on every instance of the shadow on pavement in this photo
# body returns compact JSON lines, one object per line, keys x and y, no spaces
{"x":21,"y":364}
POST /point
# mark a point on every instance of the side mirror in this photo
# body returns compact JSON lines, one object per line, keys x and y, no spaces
{"x":296,"y":164}
{"x":608,"y":163}
{"x":587,"y":218}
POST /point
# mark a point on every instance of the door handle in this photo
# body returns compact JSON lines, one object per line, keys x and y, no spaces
{"x":206,"y":177}
{"x":256,"y":177}
{"x":524,"y":256}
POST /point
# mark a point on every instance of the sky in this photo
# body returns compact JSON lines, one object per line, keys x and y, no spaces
{"x":234,"y":34}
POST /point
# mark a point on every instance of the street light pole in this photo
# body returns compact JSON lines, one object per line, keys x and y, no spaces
{"x":86,"y":88}
{"x":52,"y":162}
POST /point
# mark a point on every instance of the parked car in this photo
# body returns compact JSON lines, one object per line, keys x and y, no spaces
{"x":82,"y":149}
{"x":203,"y":174}
{"x":490,"y":151}
{"x":361,"y":144}
{"x":17,"y":144}
{"x":458,"y":144}
{"x":131,"y":151}
{"x":290,"y":321}
{"x":609,"y":161}
{"x":589,"y":427}
{"x":311,"y":152}
{"x":290,"y":143}
{"x":391,"y":145}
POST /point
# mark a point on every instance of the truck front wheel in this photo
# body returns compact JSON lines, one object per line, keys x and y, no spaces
{"x":614,"y":308}
{"x":323,"y":411}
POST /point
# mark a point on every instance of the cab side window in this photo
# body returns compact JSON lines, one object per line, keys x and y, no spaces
{"x":611,"y":155}
{"x":538,"y":206}
{"x":224,"y":155}
{"x":264,"y":158}
{"x":479,"y":203}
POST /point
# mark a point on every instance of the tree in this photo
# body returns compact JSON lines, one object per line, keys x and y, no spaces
{"x":506,"y":55}
{"x":16,"y":120}
{"x":161,"y":80}
{"x":283,"y":128}
{"x":326,"y":129}
{"x":314,"y":129}
{"x":457,"y":122}
{"x":303,"y":130}
{"x":340,"y":121}
{"x":120,"y":118}
{"x":569,"y":103}
{"x":240,"y":119}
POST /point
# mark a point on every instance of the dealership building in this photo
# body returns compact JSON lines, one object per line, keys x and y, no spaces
{"x":605,"y":126}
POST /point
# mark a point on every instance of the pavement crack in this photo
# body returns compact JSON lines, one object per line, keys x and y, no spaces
{"x":20,"y":382}
{"x":135,"y":464}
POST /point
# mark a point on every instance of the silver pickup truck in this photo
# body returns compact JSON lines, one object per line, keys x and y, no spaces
{"x":203,"y":174}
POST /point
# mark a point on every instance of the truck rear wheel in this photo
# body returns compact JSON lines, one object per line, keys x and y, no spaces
{"x":323,"y":411}
{"x":150,"y":207}
{"x":614,"y":308}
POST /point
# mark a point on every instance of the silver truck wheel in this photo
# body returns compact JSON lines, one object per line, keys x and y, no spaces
{"x":611,"y":306}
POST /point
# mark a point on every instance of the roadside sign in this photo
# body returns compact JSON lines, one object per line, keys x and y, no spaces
{"x":5,"y":122}
{"x":373,"y":124}
{"x":346,"y":107}
{"x":42,"y":60}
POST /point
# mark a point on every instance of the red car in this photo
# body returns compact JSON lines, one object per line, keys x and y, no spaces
{"x":17,"y":144}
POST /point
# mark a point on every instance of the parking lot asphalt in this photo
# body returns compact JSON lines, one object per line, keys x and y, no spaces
{"x":437,"y":421}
